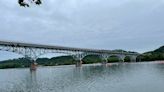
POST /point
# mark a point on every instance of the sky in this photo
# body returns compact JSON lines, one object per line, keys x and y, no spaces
{"x":133,"y":25}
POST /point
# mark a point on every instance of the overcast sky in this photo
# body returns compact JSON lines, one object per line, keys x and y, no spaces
{"x":136,"y":25}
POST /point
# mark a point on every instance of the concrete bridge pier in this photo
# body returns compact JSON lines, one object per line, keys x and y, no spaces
{"x":122,"y":58}
{"x":78,"y":57}
{"x":133,"y":58}
{"x":104,"y":59}
{"x":33,"y":65}
{"x":79,"y":63}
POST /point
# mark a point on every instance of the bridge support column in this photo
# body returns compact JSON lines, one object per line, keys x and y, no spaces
{"x":121,"y":58}
{"x":78,"y":57}
{"x":104,"y":62}
{"x":133,"y":58}
{"x":79,"y":63}
{"x":33,"y":65}
{"x":104,"y":59}
{"x":139,"y":59}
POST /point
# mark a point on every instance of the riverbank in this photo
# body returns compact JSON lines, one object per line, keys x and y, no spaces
{"x":91,"y":78}
{"x":10,"y":66}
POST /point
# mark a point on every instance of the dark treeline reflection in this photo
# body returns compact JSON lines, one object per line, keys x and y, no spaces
{"x":89,"y":78}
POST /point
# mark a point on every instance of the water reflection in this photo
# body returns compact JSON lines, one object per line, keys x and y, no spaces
{"x":32,"y":82}
{"x":89,"y":78}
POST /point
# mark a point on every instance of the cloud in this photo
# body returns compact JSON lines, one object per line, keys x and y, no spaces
{"x":103,"y":24}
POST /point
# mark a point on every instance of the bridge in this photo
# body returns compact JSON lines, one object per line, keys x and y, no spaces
{"x":33,"y":51}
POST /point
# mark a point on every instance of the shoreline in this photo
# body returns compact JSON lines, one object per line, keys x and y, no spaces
{"x":108,"y":64}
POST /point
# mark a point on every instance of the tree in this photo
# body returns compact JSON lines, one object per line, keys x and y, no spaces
{"x":25,"y":4}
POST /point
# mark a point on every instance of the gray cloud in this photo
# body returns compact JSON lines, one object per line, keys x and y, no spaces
{"x":103,"y":24}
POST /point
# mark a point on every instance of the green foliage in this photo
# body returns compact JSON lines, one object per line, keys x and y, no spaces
{"x":15,"y":63}
{"x":63,"y":60}
{"x":22,"y":62}
{"x":157,"y":54}
{"x":113,"y":59}
{"x":23,"y":3}
{"x":127,"y":59}
{"x":160,"y":50}
{"x":152,"y":56}
{"x":9,"y":65}
{"x":91,"y":59}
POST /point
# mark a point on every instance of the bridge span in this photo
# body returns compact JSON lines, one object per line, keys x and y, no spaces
{"x":33,"y":51}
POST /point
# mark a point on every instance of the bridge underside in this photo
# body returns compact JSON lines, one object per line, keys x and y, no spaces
{"x":34,"y":51}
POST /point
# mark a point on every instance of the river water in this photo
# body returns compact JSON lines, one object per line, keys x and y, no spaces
{"x":133,"y":77}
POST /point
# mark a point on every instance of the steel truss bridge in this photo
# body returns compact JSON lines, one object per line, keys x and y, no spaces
{"x":34,"y":51}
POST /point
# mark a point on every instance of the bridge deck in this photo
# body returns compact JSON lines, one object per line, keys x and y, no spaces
{"x":31,"y":45}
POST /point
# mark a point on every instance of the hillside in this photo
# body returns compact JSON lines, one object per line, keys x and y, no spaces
{"x":157,"y":54}
{"x":160,"y":50}
{"x":62,"y":60}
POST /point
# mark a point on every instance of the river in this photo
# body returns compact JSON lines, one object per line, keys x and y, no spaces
{"x":132,"y":77}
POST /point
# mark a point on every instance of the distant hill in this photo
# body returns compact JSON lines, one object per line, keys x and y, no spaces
{"x":157,"y":54}
{"x":22,"y":62}
{"x":62,"y":60}
{"x":160,"y":50}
